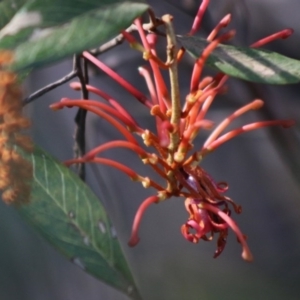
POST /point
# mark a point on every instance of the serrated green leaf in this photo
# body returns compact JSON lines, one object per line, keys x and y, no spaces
{"x":253,"y":65}
{"x":67,"y":213}
{"x":38,"y":39}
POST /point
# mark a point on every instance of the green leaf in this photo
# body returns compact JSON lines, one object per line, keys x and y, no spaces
{"x":8,"y":8}
{"x":67,"y":213}
{"x":254,"y":65}
{"x":42,"y":32}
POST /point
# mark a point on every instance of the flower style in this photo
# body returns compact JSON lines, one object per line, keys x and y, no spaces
{"x":177,"y":126}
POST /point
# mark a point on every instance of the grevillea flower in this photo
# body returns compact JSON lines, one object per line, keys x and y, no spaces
{"x":177,"y":126}
{"x":15,"y":171}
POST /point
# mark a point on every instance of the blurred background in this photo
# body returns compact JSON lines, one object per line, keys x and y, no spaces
{"x":262,"y":169}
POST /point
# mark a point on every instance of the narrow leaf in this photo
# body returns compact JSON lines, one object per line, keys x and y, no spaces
{"x":55,"y":12}
{"x":38,"y":40}
{"x":254,"y":65}
{"x":66,"y":212}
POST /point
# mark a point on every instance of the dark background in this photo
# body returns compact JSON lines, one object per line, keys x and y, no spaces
{"x":260,"y":167}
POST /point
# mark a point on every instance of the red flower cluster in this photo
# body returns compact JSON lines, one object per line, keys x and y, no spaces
{"x":177,"y":126}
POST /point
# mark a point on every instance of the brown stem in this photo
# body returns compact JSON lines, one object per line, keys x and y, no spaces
{"x":79,"y":134}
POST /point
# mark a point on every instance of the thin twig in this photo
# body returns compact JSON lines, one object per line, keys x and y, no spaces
{"x":104,"y":48}
{"x":109,"y":45}
{"x":117,"y":40}
{"x":49,"y":87}
{"x":151,"y":27}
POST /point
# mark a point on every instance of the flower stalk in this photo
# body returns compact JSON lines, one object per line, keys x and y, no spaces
{"x":173,"y":74}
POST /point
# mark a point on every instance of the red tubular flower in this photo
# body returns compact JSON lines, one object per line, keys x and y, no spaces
{"x":177,"y":126}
